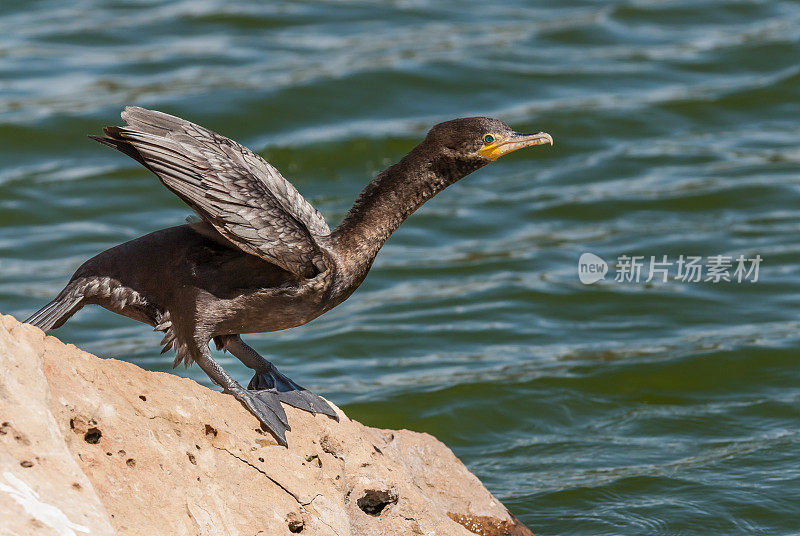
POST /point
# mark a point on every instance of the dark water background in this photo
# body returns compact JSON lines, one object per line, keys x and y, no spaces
{"x":661,"y":408}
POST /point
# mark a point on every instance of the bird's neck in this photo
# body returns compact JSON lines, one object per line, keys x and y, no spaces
{"x":388,"y":200}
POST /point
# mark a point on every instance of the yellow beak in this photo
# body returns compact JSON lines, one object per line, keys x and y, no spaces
{"x":495,"y":150}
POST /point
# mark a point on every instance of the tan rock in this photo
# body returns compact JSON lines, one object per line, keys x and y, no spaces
{"x":100,"y":446}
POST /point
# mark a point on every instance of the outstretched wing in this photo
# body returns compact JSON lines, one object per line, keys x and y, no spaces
{"x":236,"y":191}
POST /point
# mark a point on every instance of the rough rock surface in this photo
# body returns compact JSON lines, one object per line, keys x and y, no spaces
{"x":100,"y":446}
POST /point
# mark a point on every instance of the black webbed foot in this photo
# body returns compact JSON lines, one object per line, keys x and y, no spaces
{"x":266,"y":406}
{"x":290,"y":393}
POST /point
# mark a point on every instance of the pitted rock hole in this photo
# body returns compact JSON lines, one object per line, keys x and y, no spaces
{"x":295,"y":523}
{"x":93,"y":436}
{"x":6,"y":428}
{"x":373,"y":502}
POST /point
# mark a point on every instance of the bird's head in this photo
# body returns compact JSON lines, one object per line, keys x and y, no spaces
{"x":481,"y":140}
{"x":451,"y":151}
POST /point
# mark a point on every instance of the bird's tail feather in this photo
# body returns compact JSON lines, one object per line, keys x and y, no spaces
{"x":55,"y":313}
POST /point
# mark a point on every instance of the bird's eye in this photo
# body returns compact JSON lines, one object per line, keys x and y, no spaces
{"x":488,"y":139}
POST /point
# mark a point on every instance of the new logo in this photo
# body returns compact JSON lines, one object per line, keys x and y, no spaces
{"x":591,"y":268}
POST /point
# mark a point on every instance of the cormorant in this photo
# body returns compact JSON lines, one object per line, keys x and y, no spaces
{"x":262,"y":258}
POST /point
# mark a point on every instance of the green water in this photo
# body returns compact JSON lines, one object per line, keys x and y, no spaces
{"x":616,"y":408}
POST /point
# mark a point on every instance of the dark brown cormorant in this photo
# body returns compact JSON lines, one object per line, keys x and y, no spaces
{"x":262,"y":258}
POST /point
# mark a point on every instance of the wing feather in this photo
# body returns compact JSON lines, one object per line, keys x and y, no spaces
{"x":233,"y":189}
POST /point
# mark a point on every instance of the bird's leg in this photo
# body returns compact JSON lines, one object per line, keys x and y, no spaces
{"x":268,"y":378}
{"x":263,"y":404}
